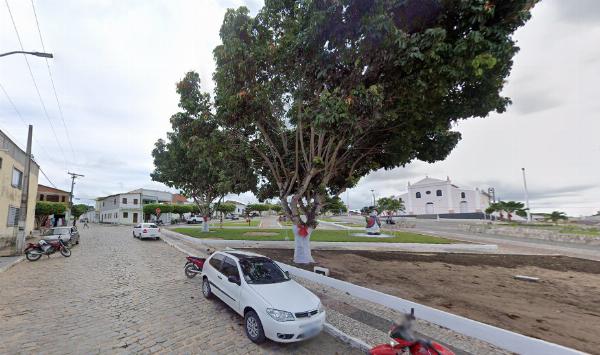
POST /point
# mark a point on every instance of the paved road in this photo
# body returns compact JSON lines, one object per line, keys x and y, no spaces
{"x":117,"y":294}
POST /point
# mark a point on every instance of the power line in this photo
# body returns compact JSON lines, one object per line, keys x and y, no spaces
{"x":47,"y":178}
{"x":21,"y":117}
{"x":52,"y":81}
{"x":35,"y":83}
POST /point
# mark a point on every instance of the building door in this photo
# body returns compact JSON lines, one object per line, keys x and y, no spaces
{"x":429,"y":208}
{"x":135,"y":217}
{"x":464,"y":207}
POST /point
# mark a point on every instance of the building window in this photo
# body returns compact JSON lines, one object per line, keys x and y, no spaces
{"x":116,"y":215}
{"x":428,"y":192}
{"x":463,"y":195}
{"x":63,"y":199}
{"x":135,"y":201}
{"x":0,"y":163}
{"x":438,"y":193}
{"x":102,"y":203}
{"x":418,"y":195}
{"x":124,"y":201}
{"x":125,"y":215}
{"x":41,"y":197}
{"x":13,"y":217}
{"x":114,"y":201}
{"x":17,"y":178}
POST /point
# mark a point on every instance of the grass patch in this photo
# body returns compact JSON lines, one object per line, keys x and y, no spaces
{"x":319,"y":235}
{"x":239,"y":223}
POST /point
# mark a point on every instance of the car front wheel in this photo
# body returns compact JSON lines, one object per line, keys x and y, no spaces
{"x":206,"y":291}
{"x":254,"y":329}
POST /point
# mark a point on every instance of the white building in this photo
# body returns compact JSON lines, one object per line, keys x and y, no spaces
{"x":240,"y":207}
{"x":127,"y":208}
{"x":434,"y":196}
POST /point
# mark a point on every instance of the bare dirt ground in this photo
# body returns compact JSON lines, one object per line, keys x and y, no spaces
{"x":563,"y":307}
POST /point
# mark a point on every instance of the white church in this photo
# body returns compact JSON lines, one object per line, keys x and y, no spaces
{"x":434,"y":196}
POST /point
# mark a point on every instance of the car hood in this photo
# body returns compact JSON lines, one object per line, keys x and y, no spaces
{"x":56,"y":236}
{"x":287,"y":296}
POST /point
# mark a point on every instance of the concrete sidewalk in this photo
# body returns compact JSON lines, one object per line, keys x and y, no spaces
{"x":6,"y":262}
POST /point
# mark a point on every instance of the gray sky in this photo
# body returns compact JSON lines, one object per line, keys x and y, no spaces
{"x":116,"y":64}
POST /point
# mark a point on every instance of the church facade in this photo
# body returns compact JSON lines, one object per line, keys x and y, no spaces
{"x":434,"y":196}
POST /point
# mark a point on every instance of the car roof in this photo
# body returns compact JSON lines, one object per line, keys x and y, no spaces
{"x":241,"y":255}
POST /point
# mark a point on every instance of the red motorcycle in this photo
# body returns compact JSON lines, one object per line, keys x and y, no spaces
{"x":404,"y":341}
{"x":34,"y":251}
{"x":193,"y":266}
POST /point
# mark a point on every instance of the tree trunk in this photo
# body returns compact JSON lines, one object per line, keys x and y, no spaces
{"x":205,"y":224}
{"x":302,"y":254}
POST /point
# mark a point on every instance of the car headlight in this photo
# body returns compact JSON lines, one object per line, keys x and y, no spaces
{"x":280,"y":316}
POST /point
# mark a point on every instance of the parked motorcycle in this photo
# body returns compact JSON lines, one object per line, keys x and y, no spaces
{"x":404,"y":341}
{"x":193,"y":266}
{"x":34,"y":251}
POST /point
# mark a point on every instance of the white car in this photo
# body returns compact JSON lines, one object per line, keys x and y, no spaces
{"x":146,"y":230}
{"x":273,"y":305}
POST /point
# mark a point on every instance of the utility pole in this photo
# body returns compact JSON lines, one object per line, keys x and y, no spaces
{"x":526,"y":196}
{"x":73,"y":177}
{"x":348,"y":201}
{"x":20,"y":242}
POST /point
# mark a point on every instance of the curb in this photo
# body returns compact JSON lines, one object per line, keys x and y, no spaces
{"x":15,"y":262}
{"x":345,"y":338}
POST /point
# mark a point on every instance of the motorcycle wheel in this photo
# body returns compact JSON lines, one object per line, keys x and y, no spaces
{"x":66,"y":252}
{"x":33,"y":257}
{"x":189,"y":270}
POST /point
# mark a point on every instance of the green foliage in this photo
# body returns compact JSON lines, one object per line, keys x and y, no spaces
{"x":509,"y":207}
{"x":334,"y":205}
{"x":258,"y":207}
{"x":150,"y":209}
{"x":45,"y":209}
{"x":226,"y":208}
{"x":320,"y":93}
{"x":78,"y":210}
{"x":199,"y":157}
{"x":556,"y":216}
{"x":390,"y":204}
{"x":181,"y":209}
{"x":275,"y":207}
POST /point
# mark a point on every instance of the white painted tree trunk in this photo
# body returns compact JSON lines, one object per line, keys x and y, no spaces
{"x":302,"y":254}
{"x":205,"y":224}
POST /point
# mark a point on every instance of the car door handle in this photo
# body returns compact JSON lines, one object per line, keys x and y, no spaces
{"x":219,"y":277}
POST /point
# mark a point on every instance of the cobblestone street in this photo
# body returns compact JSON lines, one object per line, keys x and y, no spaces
{"x":117,"y":294}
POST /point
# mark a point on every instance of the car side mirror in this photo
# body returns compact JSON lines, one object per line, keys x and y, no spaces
{"x":287,"y":274}
{"x":234,"y":279}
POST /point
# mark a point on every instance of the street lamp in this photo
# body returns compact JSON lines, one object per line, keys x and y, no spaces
{"x":373,"y":192}
{"x":526,"y":196}
{"x":37,"y":54}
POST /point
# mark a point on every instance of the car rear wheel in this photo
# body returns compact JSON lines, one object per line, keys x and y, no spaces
{"x":254,"y":329}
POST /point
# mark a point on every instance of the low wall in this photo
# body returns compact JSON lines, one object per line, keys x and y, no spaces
{"x":534,"y":233}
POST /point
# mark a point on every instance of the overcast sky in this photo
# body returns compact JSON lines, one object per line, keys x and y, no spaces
{"x":116,"y":64}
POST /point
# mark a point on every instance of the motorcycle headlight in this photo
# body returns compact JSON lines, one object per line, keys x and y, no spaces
{"x":393,"y":343}
{"x":279,"y":315}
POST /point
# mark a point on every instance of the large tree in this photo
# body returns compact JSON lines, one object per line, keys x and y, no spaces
{"x":44,"y":209}
{"x":199,"y":157}
{"x":334,"y":205}
{"x":324,"y":92}
{"x":257,"y":207}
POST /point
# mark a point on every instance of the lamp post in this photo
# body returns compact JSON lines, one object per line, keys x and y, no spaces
{"x":37,"y":54}
{"x":373,"y":192}
{"x":526,"y":196}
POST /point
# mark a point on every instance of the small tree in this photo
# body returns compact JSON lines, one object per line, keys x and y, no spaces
{"x":257,"y":207}
{"x":78,"y":210}
{"x":275,"y":208}
{"x":509,"y":207}
{"x":324,"y":92}
{"x":150,"y":209}
{"x":556,"y":216}
{"x":334,"y":205}
{"x":389,"y":205}
{"x":45,"y":209}
{"x":226,"y":208}
{"x":199,"y":157}
{"x":182,"y":209}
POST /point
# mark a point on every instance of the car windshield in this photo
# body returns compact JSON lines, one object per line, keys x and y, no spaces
{"x":262,"y":271}
{"x":58,"y":231}
{"x":150,"y":226}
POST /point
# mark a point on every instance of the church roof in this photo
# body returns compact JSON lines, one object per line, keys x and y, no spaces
{"x":429,"y":181}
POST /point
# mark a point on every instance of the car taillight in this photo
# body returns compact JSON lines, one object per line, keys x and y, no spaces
{"x":158,"y":230}
{"x":145,"y":231}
